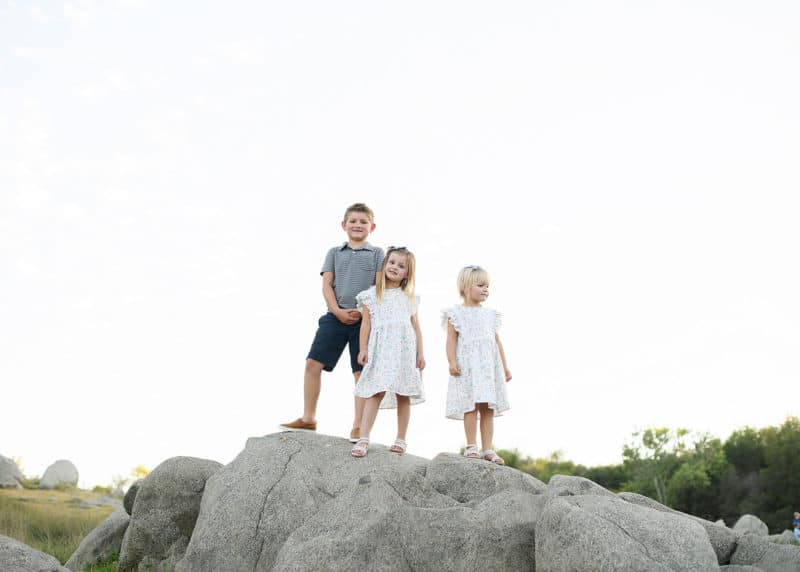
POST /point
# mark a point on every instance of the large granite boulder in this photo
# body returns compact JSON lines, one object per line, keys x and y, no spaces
{"x":61,"y":472}
{"x":18,"y":557}
{"x":754,"y":550}
{"x":10,"y":475}
{"x":101,"y":543}
{"x":598,"y":532}
{"x":749,"y":524}
{"x":722,"y":539}
{"x":130,"y":496}
{"x":164,"y":512}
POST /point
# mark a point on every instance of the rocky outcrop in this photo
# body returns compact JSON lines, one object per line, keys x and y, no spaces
{"x":10,"y":475}
{"x":164,"y":512}
{"x":749,"y":524}
{"x":101,"y":543}
{"x":61,"y":472}
{"x":130,"y":496}
{"x":18,"y":557}
{"x":299,"y":501}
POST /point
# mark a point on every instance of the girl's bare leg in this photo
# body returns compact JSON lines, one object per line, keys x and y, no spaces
{"x":471,"y":426}
{"x":403,"y":415}
{"x":487,"y":426}
{"x":358,"y":405}
{"x":371,"y":405}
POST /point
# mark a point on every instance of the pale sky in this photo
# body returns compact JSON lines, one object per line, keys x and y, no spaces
{"x":172,"y":174}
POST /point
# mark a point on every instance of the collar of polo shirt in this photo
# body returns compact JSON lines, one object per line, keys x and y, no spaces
{"x":367,"y":246}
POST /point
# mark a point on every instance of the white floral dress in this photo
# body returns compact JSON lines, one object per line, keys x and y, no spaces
{"x":482,"y":378}
{"x":392,"y":348}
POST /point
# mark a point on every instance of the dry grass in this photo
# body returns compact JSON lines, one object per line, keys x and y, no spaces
{"x":49,"y":521}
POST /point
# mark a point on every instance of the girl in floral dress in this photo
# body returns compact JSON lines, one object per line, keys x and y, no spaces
{"x":391,"y":348}
{"x":478,"y":370}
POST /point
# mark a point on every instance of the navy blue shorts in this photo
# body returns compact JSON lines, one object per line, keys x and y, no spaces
{"x":331,"y":338}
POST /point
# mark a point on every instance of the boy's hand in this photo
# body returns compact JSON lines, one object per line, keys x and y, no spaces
{"x":362,"y":357}
{"x":455,"y":371}
{"x":348,"y":317}
{"x":420,"y":362}
{"x":508,"y":374}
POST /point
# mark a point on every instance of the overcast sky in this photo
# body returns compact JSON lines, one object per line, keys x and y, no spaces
{"x":172,"y":174}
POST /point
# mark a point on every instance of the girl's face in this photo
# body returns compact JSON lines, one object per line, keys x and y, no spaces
{"x":396,"y":268}
{"x":478,"y":293}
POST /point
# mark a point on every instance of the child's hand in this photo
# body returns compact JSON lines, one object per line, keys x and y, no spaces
{"x":349,"y":316}
{"x":420,"y":362}
{"x":455,"y":371}
{"x":362,"y":357}
{"x":508,"y":374}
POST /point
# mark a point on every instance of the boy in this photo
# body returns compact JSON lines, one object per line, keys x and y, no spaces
{"x":348,"y":269}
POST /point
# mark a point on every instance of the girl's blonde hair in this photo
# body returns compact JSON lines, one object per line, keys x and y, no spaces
{"x":407,"y":283}
{"x":468,"y":277}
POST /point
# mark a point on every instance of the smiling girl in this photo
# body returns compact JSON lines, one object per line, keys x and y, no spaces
{"x":391,"y":348}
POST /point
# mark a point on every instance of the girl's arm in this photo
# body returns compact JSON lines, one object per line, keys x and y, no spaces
{"x":452,"y":339}
{"x":503,"y":357}
{"x":363,"y":336}
{"x":418,"y":332}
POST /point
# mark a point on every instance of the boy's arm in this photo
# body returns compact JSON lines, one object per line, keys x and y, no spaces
{"x":418,"y":332}
{"x":363,"y":337}
{"x":452,"y":338}
{"x":503,"y":357}
{"x":344,"y":316}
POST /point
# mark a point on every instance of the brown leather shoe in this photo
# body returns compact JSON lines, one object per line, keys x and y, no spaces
{"x":299,"y":425}
{"x":355,"y":435}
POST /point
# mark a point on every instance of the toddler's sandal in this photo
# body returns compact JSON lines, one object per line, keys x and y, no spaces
{"x":399,"y":446}
{"x":492,"y":457}
{"x":360,"y":448}
{"x":472,"y":452}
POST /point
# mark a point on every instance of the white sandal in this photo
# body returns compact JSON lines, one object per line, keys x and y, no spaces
{"x":472,"y":452}
{"x":492,"y":457}
{"x":360,"y":448}
{"x":399,"y":446}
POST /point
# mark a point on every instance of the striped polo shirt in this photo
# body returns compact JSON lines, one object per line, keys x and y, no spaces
{"x":353,"y":271}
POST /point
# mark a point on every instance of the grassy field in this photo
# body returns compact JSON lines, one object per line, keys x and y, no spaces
{"x":51,"y":521}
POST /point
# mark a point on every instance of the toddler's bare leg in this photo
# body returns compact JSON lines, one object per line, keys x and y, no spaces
{"x":312,"y":381}
{"x":371,"y":405}
{"x":403,"y":415}
{"x":471,"y":426}
{"x":487,"y":425}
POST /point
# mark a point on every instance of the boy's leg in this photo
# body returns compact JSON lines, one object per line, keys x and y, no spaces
{"x":328,"y":345}
{"x":403,"y":415}
{"x":312,"y":383}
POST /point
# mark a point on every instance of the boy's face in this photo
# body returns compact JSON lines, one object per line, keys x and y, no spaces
{"x":357,"y":226}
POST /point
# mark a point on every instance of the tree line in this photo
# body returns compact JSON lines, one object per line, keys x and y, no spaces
{"x":754,"y":471}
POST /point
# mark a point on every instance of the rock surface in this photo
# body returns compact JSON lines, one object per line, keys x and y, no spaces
{"x":164,"y":513}
{"x":299,"y":501}
{"x":749,"y":524}
{"x":130,"y":496}
{"x":18,"y":557}
{"x":10,"y":475}
{"x":101,"y":543}
{"x":60,"y":472}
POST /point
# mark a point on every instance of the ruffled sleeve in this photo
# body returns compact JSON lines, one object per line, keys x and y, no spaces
{"x":451,"y":316}
{"x":366,"y":298}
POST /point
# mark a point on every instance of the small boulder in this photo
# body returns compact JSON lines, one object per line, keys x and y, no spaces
{"x":130,"y":496}
{"x":60,"y":472}
{"x":10,"y":475}
{"x":18,"y":557}
{"x":100,"y":543}
{"x":749,"y":524}
{"x":164,"y":513}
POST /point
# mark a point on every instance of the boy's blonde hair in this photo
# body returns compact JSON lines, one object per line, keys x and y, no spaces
{"x":407,"y":283}
{"x":359,"y":208}
{"x":468,"y":277}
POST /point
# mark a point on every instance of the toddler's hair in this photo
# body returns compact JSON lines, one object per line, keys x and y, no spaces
{"x":359,"y":208}
{"x":468,"y":277}
{"x":407,"y":283}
